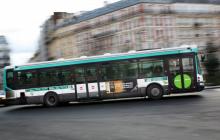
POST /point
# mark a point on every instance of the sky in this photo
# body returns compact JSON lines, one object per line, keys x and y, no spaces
{"x":20,"y":22}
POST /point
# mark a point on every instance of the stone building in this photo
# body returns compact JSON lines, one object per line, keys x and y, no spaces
{"x":131,"y":25}
{"x":4,"y":56}
{"x":47,"y":29}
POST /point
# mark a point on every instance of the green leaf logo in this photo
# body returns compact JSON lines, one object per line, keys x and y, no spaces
{"x":187,"y":81}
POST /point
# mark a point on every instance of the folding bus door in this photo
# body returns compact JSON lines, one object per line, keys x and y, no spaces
{"x":86,"y":82}
{"x":81,"y":86}
{"x":92,"y":82}
{"x":181,"y":73}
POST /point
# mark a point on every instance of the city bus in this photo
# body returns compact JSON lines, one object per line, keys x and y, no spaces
{"x":146,"y":73}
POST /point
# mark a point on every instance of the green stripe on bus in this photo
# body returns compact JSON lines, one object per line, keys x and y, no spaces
{"x":48,"y":88}
{"x":156,"y":79}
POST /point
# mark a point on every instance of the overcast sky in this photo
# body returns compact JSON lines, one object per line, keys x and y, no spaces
{"x":20,"y":21}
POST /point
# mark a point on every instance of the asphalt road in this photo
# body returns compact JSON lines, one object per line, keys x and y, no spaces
{"x":192,"y":117}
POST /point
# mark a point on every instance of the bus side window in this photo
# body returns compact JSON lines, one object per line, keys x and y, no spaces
{"x":43,"y":78}
{"x":157,"y":70}
{"x":72,"y":76}
{"x":59,"y":77}
{"x":19,"y":79}
{"x":104,"y":71}
{"x":56,"y":77}
{"x":151,"y":68}
{"x":128,"y":70}
{"x":80,"y":77}
{"x":91,"y":74}
{"x":119,"y":70}
{"x":145,"y":69}
{"x":27,"y":79}
{"x":68,"y":76}
{"x":51,"y":77}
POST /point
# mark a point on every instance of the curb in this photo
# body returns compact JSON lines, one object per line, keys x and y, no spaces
{"x":212,"y":87}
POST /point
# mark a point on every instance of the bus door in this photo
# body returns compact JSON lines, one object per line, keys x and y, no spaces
{"x":92,"y":84}
{"x":86,"y":83}
{"x":81,"y":89}
{"x":181,"y":73}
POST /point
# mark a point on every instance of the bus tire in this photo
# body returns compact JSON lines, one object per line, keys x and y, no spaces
{"x":51,"y":99}
{"x":155,"y":92}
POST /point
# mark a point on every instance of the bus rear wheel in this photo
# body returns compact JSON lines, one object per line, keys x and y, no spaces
{"x":51,"y":99}
{"x":155,"y":92}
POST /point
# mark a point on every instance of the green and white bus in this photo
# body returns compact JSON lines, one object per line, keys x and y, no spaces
{"x":147,"y":73}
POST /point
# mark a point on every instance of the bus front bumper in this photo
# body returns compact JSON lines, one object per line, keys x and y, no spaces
{"x":201,"y":86}
{"x":2,"y":101}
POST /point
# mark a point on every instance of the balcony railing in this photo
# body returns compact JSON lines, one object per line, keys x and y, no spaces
{"x":102,"y":34}
{"x":84,"y":27}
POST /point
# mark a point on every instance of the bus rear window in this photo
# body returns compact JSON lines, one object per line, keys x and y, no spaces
{"x":10,"y":79}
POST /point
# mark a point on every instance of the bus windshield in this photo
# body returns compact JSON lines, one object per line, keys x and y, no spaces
{"x":10,"y":78}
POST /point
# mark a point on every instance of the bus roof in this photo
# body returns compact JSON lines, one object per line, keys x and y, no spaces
{"x":107,"y":57}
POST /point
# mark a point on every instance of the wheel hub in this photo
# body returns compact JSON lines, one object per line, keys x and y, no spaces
{"x":155,"y":91}
{"x":52,"y":99}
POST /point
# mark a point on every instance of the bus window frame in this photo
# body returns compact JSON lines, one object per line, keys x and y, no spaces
{"x":26,"y":86}
{"x":155,"y":59}
{"x":126,"y":61}
{"x":61,"y":69}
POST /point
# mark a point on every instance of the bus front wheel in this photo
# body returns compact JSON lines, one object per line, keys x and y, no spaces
{"x":155,"y":92}
{"x":51,"y":99}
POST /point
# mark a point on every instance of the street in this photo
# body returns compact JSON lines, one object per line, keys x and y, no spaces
{"x":194,"y":117}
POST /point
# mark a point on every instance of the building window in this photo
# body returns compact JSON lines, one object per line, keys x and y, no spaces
{"x":148,"y":20}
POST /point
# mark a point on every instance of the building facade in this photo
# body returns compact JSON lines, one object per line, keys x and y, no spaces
{"x":47,"y":29}
{"x":4,"y":56}
{"x":131,"y":25}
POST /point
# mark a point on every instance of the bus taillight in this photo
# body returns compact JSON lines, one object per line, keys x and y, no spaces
{"x":9,"y":94}
{"x":198,"y":78}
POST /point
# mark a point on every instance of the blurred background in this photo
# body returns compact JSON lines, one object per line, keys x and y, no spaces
{"x":98,"y":27}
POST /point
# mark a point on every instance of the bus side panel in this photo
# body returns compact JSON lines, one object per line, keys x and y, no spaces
{"x":36,"y":95}
{"x":145,"y":82}
{"x":128,"y":87}
{"x":119,"y":89}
